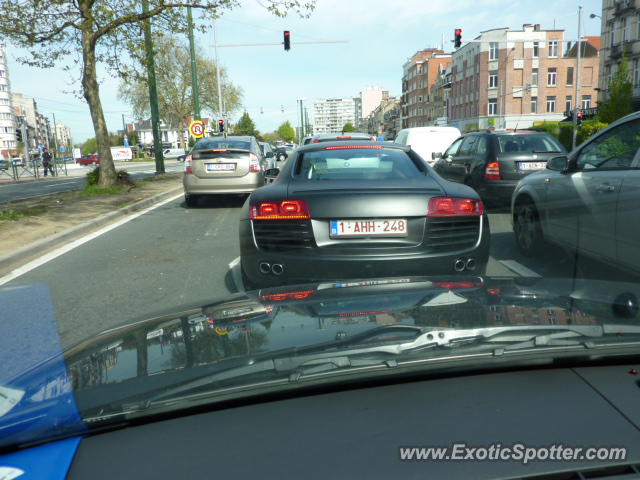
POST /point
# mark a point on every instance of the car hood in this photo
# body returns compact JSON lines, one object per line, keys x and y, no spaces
{"x":50,"y":395}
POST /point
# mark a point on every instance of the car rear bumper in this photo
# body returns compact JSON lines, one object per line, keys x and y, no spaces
{"x":299,"y":266}
{"x":211,"y":186}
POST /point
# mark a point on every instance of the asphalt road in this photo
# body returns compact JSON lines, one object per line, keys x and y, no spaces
{"x":172,"y":256}
{"x":30,"y":188}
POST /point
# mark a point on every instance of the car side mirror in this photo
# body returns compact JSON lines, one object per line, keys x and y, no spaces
{"x":436,"y":155}
{"x":271,"y":172}
{"x":269,"y":155}
{"x":558,"y":164}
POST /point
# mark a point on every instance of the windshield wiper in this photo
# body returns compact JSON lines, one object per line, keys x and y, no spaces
{"x":295,"y":363}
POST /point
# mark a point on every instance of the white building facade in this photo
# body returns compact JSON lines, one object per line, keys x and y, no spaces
{"x":331,"y":114}
{"x":7,"y":125}
{"x":370,"y":98}
{"x":63,"y":135}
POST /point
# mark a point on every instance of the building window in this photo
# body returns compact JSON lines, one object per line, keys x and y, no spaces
{"x":636,"y":72}
{"x":534,"y":77}
{"x":493,"y":50}
{"x":626,"y":25}
{"x":568,"y":103}
{"x":552,"y":77}
{"x":493,"y":106}
{"x":553,"y":49}
{"x":569,"y":76}
{"x":536,"y":49}
{"x":551,"y":104}
{"x":534,"y":104}
{"x":586,"y":101}
{"x":493,"y":79}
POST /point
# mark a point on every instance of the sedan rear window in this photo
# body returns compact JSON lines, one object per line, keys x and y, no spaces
{"x":529,"y":143}
{"x":222,"y":143}
{"x":357,"y":164}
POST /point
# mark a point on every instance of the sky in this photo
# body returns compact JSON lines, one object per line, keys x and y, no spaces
{"x":380,"y":35}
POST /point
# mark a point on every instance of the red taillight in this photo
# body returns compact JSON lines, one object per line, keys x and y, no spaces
{"x":493,"y":291}
{"x":492,"y":171}
{"x":343,"y":137}
{"x":452,"y":285}
{"x":286,"y":209}
{"x":254,"y":163}
{"x":188,"y":164}
{"x":349,"y":147}
{"x":279,"y":297}
{"x":454,"y":207}
{"x":315,"y":140}
{"x":373,"y":139}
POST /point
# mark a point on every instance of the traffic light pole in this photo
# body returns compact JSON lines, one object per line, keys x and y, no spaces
{"x":215,"y":47}
{"x":195,"y":89}
{"x":153,"y":91}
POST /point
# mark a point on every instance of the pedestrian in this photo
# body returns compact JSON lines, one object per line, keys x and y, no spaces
{"x":46,"y":162}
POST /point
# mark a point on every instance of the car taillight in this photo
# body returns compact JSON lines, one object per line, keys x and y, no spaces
{"x":283,"y":210}
{"x":454,"y":207}
{"x":343,"y":137}
{"x":492,"y":171}
{"x":348,"y":147}
{"x":254,"y":163}
{"x":315,"y":140}
{"x":373,"y":139}
{"x":452,"y":285}
{"x":279,"y":297}
{"x":188,"y":164}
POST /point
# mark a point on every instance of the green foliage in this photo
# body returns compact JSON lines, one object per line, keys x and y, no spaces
{"x":93,"y":190}
{"x":618,"y":103}
{"x":93,"y":177}
{"x":245,"y":126}
{"x":562,"y":131}
{"x":588,"y":129}
{"x":90,"y":146}
{"x":286,"y":132}
{"x":348,"y":127}
{"x":270,"y":137}
{"x":13,"y":214}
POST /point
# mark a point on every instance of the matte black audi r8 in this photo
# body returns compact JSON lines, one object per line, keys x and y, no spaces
{"x":360,"y":209}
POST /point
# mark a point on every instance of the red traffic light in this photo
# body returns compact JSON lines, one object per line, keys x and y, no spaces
{"x":287,"y":40}
{"x":458,"y":31}
{"x":220,"y":122}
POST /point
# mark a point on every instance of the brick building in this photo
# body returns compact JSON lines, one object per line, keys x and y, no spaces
{"x":420,"y":73}
{"x":513,"y":78}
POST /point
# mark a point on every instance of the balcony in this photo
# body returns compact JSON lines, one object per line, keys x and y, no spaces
{"x":622,"y":7}
{"x":618,"y":50}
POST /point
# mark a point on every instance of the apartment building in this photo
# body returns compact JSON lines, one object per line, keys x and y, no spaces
{"x":620,"y":35}
{"x":7,"y":125}
{"x":331,"y":114}
{"x":513,"y":78}
{"x":419,"y":74}
{"x":438,"y":99}
{"x":379,"y":122}
{"x":63,"y":135}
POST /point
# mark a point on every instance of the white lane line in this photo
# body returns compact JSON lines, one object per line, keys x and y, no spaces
{"x":59,"y":183}
{"x":38,"y":262}
{"x":519,"y":269}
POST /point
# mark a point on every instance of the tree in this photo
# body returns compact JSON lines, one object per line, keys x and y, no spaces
{"x":348,"y":127}
{"x":104,"y":31}
{"x":173,"y":78}
{"x":90,"y":146}
{"x":245,"y":126}
{"x":270,"y":137}
{"x":286,"y":132}
{"x":618,"y":103}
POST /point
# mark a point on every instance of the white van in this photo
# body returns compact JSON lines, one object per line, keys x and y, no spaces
{"x":427,"y":140}
{"x":173,"y":152}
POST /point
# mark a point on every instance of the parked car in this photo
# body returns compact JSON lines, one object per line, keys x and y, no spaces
{"x":360,"y":209}
{"x":170,"y":153}
{"x":425,"y":141}
{"x":267,"y":152}
{"x":4,"y":165}
{"x":91,"y":159}
{"x":586,"y":201}
{"x":218,"y":165}
{"x":494,"y":162}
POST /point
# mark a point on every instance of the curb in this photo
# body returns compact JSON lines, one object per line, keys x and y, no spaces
{"x":26,"y":253}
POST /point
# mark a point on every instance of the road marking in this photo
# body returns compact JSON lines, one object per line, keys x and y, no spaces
{"x":60,"y":183}
{"x":38,"y":262}
{"x":519,"y":269}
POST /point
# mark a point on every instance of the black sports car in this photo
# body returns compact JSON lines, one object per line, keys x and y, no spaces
{"x":357,"y":210}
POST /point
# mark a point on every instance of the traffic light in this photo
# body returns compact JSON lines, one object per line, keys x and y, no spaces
{"x":18,"y":135}
{"x":457,"y":37}
{"x":579,"y":118}
{"x":221,"y":125}
{"x":287,"y":40}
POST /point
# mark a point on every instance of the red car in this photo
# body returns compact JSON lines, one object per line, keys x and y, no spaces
{"x":92,"y":159}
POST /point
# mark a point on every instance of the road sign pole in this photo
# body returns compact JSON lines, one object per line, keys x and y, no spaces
{"x":195,"y":91}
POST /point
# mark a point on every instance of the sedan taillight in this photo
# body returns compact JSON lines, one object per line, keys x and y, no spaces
{"x":188,"y":164}
{"x":455,"y":207}
{"x":492,"y":171}
{"x":254,"y":163}
{"x":283,"y":210}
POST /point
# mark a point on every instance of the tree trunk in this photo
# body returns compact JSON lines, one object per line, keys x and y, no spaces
{"x":91,"y":92}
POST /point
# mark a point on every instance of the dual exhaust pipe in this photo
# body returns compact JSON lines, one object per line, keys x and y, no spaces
{"x":462,"y":264}
{"x":266,"y":268}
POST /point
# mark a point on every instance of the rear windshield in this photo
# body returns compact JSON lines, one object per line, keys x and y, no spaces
{"x":222,"y":143}
{"x":356,"y":164}
{"x":529,"y":143}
